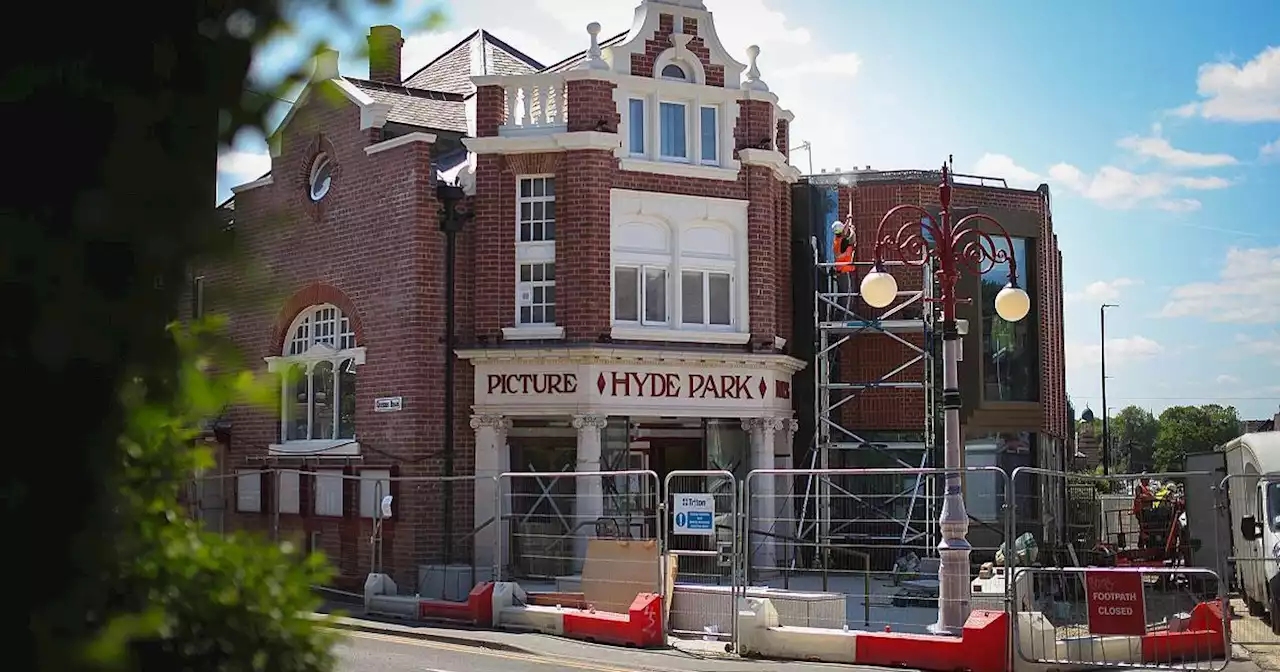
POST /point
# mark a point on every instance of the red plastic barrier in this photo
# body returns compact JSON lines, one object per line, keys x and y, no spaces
{"x":1204,"y":636}
{"x":640,"y":627}
{"x":477,"y":610}
{"x":983,"y":647}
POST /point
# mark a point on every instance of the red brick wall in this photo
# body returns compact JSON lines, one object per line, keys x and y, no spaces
{"x":583,"y":274}
{"x":373,"y":247}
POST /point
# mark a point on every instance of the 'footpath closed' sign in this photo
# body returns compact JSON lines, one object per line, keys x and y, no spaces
{"x":1116,"y":602}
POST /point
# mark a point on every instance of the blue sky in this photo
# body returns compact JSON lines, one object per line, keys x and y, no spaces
{"x":1156,"y":125}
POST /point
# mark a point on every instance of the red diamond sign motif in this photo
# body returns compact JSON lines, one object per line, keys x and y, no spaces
{"x":764,"y":388}
{"x":600,"y":383}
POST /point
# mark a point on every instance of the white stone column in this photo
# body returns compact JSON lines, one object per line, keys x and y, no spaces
{"x":784,"y":458}
{"x":764,"y":502}
{"x":493,"y":457}
{"x":589,"y":500}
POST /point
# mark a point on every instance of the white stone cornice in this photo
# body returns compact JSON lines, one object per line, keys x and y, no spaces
{"x":772,"y":159}
{"x":615,"y":356}
{"x":550,"y":142}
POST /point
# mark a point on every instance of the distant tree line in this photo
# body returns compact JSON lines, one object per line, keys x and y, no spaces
{"x":1141,"y":441}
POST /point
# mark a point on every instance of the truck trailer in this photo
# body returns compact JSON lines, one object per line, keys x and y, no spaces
{"x":1253,"y":495}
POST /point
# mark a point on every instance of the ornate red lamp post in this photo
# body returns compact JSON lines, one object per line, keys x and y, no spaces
{"x":954,"y":245}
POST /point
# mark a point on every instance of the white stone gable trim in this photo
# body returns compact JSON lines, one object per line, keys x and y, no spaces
{"x":406,"y":139}
{"x":260,"y":182}
{"x":372,"y":113}
{"x":645,"y":24}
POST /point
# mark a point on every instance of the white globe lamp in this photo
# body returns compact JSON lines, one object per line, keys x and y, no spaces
{"x":879,"y":289}
{"x":1012,"y":303}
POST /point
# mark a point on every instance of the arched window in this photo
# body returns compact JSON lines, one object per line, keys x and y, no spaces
{"x":674,"y":71}
{"x":318,"y":386}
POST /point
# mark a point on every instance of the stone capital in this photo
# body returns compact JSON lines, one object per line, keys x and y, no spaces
{"x":596,"y":422}
{"x":498,"y":422}
{"x":763,"y":424}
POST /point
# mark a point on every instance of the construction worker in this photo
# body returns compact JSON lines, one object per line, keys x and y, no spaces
{"x":844,"y":241}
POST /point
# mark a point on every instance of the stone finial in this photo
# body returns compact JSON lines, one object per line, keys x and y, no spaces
{"x":594,"y":60}
{"x":325,"y":66}
{"x":753,"y":82}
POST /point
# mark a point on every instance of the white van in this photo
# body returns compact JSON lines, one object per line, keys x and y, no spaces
{"x":1253,"y":462}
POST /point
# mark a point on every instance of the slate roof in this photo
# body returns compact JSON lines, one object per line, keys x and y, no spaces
{"x":439,"y":110}
{"x":451,"y":71}
{"x":572,"y":61}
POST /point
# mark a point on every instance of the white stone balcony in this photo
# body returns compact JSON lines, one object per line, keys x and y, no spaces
{"x":535,"y":104}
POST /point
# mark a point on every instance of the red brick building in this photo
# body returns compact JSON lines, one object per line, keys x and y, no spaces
{"x":622,"y":293}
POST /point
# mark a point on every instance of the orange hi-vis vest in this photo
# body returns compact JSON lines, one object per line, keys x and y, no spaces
{"x":843,"y":251}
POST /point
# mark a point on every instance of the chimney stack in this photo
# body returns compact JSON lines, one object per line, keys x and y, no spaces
{"x":385,"y":43}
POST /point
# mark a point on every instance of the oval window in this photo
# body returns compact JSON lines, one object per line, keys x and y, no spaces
{"x":321,"y":177}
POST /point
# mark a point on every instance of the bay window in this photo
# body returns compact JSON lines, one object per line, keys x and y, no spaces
{"x":536,"y":252}
{"x":669,"y":279}
{"x":318,"y":386}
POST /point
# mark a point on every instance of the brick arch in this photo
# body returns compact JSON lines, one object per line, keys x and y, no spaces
{"x":314,"y":294}
{"x":318,"y":145}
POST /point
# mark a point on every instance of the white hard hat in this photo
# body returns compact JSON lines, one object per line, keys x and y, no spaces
{"x":837,"y":226}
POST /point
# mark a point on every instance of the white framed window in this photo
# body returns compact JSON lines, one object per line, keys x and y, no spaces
{"x":678,"y":280}
{"x":706,"y":298}
{"x":640,"y":295}
{"x":537,"y":204}
{"x":318,"y":380}
{"x":709,"y":135}
{"x":374,"y":485}
{"x":536,"y":251}
{"x":635,"y":126}
{"x":328,"y":492}
{"x":537,"y":293}
{"x":673,"y":124}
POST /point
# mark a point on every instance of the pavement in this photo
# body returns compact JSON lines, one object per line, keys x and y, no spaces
{"x":375,"y":644}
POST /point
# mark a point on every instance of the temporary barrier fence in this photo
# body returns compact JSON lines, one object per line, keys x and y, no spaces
{"x":1248,"y":522}
{"x":700,"y":536}
{"x":572,"y":533}
{"x":1148,"y":617}
{"x":849,"y":570}
{"x":860,"y":567}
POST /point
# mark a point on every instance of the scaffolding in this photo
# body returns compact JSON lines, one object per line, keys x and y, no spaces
{"x":839,"y":316}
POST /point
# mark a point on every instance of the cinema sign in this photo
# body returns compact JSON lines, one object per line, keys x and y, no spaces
{"x":672,"y":390}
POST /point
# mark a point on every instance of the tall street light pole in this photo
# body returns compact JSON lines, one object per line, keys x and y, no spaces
{"x":969,"y":243}
{"x":1106,"y":436}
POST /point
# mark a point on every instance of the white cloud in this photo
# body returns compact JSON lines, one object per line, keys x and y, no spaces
{"x":1271,"y":149}
{"x":1246,"y":93}
{"x":1120,"y":189}
{"x":1001,"y":165}
{"x":1226,"y":379}
{"x":1102,"y":290}
{"x":1156,"y":147}
{"x":1267,"y":348}
{"x":1247,"y":291}
{"x":1119,"y":351}
{"x":838,"y":65}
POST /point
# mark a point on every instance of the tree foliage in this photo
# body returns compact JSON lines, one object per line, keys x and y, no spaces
{"x":1133,"y":437}
{"x":97,"y":253}
{"x":1192,"y":429}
